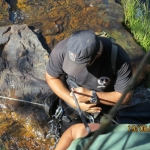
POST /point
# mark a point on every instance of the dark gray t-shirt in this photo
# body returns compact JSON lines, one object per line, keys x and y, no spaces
{"x":99,"y":76}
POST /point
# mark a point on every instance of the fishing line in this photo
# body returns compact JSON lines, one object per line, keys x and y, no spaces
{"x":8,"y":98}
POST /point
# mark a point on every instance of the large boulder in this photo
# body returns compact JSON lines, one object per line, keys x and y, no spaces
{"x":23,"y":60}
{"x":22,"y":76}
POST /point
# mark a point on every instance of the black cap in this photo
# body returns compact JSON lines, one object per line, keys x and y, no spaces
{"x":82,"y":47}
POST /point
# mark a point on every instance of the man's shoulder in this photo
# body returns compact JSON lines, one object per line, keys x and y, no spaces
{"x":54,"y":65}
{"x":122,"y":54}
{"x":61,"y":45}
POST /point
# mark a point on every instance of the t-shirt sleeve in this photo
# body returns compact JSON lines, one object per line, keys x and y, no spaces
{"x":124,"y":70}
{"x":54,"y":64}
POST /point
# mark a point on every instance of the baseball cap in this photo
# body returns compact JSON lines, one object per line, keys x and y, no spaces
{"x":82,"y":47}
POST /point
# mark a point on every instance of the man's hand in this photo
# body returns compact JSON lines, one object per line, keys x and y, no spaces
{"x":90,"y":108}
{"x":60,"y":89}
{"x":83,"y":96}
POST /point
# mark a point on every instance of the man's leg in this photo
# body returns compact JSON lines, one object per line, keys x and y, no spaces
{"x":74,"y":132}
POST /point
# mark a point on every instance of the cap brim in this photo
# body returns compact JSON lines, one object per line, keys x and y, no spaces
{"x":71,"y":68}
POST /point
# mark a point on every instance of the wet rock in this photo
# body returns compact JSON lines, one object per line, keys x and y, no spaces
{"x":2,"y":117}
{"x":147,"y":81}
{"x":2,"y":66}
{"x":54,"y":30}
{"x":4,"y":14}
{"x":22,"y":76}
{"x":144,"y":74}
{"x":23,"y":61}
{"x":4,"y":35}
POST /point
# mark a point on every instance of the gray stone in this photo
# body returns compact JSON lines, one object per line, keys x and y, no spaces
{"x":22,"y":76}
{"x":22,"y":63}
{"x":4,"y":34}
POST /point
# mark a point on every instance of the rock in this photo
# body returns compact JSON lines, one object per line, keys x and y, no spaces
{"x":143,"y":75}
{"x":22,"y":76}
{"x":23,"y":61}
{"x":147,"y":80}
{"x":2,"y":117}
{"x":4,"y":35}
{"x":4,"y":14}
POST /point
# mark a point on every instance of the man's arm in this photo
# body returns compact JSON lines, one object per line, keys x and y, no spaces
{"x":108,"y":98}
{"x":124,"y":75}
{"x":58,"y":87}
{"x":111,"y":98}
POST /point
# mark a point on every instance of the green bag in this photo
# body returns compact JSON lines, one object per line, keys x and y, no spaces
{"x":117,"y":137}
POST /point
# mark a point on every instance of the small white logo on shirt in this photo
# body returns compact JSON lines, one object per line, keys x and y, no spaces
{"x":103,"y":82}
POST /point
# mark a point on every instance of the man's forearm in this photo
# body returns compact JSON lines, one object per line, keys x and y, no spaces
{"x":111,"y":98}
{"x":58,"y":87}
{"x":107,"y":98}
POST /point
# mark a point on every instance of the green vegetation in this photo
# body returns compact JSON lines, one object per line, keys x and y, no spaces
{"x":137,"y":20}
